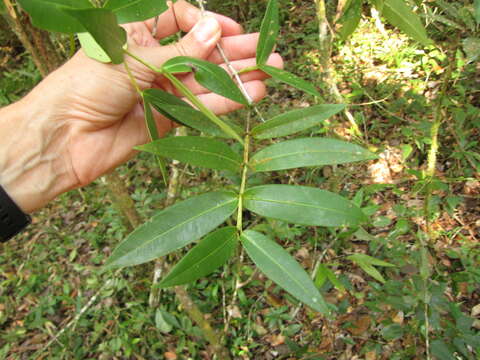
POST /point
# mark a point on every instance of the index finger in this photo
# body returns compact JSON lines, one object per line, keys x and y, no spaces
{"x":183,"y":16}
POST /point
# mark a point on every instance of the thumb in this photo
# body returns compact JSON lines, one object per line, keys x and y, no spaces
{"x":198,"y":43}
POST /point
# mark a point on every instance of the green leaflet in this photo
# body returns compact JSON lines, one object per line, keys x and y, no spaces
{"x":210,"y":253}
{"x":441,"y":351}
{"x":367,"y":264}
{"x":278,"y":265}
{"x":324,"y":273}
{"x":181,"y":112}
{"x":268,"y":32}
{"x":136,"y":10}
{"x":399,"y":14}
{"x":91,"y":48}
{"x":295,"y":121}
{"x":153,"y":133}
{"x":350,"y":19}
{"x":50,"y":14}
{"x":471,"y":46}
{"x":173,"y":228}
{"x":103,"y":27}
{"x":196,"y":150}
{"x":297,"y":153}
{"x":290,"y":79}
{"x":209,"y":75}
{"x":302,"y":205}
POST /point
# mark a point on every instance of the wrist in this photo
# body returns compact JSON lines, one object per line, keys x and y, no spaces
{"x":34,"y":166}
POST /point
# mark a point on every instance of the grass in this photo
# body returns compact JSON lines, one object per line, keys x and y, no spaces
{"x":50,"y":272}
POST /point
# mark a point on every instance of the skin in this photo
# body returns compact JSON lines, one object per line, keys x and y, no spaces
{"x":84,"y":119}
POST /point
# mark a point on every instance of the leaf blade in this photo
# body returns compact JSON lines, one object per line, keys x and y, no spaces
{"x":103,"y":27}
{"x":136,"y":10}
{"x":302,"y":205}
{"x":268,"y":32}
{"x":209,"y":75}
{"x":399,"y":14}
{"x":307,"y":152}
{"x":49,"y":14}
{"x":283,"y":269}
{"x":173,"y":228}
{"x":290,"y":79}
{"x":295,"y":121}
{"x":350,"y":19}
{"x":211,"y":253}
{"x":196,"y":150}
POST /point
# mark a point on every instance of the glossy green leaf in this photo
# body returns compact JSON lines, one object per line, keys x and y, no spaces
{"x":297,"y":153}
{"x":103,"y":27}
{"x":278,"y":265}
{"x":153,"y":134}
{"x":367,"y":264}
{"x":399,"y":14}
{"x":173,"y":228}
{"x":50,"y":14}
{"x":268,"y":32}
{"x":181,"y":112}
{"x":350,"y":19}
{"x":290,"y":79}
{"x":196,"y":150}
{"x":136,"y":10}
{"x":324,"y":273}
{"x":302,"y":205}
{"x":210,"y":253}
{"x":295,"y":121}
{"x":209,"y":75}
{"x":91,"y":48}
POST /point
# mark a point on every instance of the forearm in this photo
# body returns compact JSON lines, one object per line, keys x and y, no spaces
{"x":34,"y":166}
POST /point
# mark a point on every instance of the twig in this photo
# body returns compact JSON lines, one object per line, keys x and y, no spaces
{"x":232,"y":70}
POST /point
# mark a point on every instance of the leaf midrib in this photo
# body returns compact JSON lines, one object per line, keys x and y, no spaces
{"x":179,"y":225}
{"x":283,"y":269}
{"x":263,"y":161}
{"x":288,"y":202}
{"x":215,"y":251}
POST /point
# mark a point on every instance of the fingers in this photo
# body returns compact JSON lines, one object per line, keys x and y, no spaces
{"x":183,"y":16}
{"x":198,"y":43}
{"x":273,"y":60}
{"x":220,"y":105}
{"x":236,"y":48}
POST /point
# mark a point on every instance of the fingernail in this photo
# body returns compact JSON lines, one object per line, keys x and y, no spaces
{"x":206,"y":28}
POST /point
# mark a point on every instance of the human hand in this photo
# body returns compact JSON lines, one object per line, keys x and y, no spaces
{"x":85,"y":118}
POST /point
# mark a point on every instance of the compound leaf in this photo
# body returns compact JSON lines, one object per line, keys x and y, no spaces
{"x":295,"y":121}
{"x":268,"y":32}
{"x":136,"y":10}
{"x":308,"y":152}
{"x":209,"y":75}
{"x":290,"y":79}
{"x":278,"y":265}
{"x":367,"y":263}
{"x":196,"y":150}
{"x":173,"y":228}
{"x":302,"y":205}
{"x":210,"y":253}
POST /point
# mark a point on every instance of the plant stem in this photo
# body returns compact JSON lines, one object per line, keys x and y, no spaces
{"x":243,"y":184}
{"x":195,"y":101}
{"x":141,"y":61}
